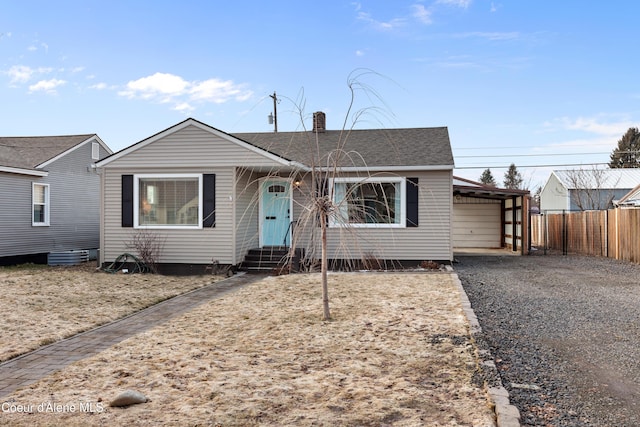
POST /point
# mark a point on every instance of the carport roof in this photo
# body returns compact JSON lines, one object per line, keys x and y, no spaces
{"x":466,"y":187}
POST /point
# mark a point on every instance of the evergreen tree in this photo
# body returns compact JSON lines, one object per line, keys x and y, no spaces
{"x":487,"y":178}
{"x":627,"y":153}
{"x":512,"y":178}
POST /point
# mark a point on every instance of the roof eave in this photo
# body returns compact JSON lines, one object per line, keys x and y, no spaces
{"x":416,"y":168}
{"x":94,"y":137}
{"x":22,"y":171}
{"x":200,"y":125}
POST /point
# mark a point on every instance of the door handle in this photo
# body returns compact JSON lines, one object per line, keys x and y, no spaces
{"x":270,"y":217}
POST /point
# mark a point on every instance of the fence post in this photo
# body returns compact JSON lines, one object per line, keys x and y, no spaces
{"x":546,"y":232}
{"x":565,"y":237}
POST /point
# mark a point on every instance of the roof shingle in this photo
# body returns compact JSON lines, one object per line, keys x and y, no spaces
{"x":361,"y":148}
{"x":27,"y":152}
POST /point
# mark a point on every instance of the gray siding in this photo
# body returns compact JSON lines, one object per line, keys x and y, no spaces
{"x":74,"y":207}
{"x":246,"y":213}
{"x":191,"y":150}
{"x":193,"y":147}
{"x":18,"y":237}
{"x":197,"y":246}
{"x":431,"y":240}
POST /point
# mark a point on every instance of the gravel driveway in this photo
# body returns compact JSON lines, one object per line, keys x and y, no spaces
{"x":564,"y":332}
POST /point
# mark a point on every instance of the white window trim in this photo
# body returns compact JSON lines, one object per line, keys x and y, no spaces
{"x":136,"y":201}
{"x":378,"y":180}
{"x":46,"y":204}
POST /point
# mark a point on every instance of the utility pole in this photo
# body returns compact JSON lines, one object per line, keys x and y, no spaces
{"x":273,"y":118}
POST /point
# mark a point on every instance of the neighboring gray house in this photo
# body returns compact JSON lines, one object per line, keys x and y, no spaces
{"x":49,"y":195}
{"x":586,"y":189}
{"x":209,"y":195}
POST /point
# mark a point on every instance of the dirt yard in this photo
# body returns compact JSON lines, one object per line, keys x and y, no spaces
{"x":397,"y":352}
{"x":42,"y":304}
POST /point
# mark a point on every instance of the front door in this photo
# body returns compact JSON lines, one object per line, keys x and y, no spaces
{"x":275,"y":212}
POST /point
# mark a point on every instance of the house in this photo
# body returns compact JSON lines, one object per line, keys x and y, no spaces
{"x":586,"y":189}
{"x":486,"y":217}
{"x":211,"y":196}
{"x":631,"y":199}
{"x":50,"y":195}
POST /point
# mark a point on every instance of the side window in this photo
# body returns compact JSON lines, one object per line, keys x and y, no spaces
{"x":40,"y":204}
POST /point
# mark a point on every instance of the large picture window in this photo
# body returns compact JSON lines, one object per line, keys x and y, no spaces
{"x":40,"y":204}
{"x":168,"y":201}
{"x":372,"y":202}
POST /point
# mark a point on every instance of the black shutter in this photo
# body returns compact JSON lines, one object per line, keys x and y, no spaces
{"x":127,"y":200}
{"x":209,"y":200}
{"x":412,"y":202}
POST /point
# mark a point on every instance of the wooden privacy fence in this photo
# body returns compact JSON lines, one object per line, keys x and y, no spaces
{"x":614,"y":233}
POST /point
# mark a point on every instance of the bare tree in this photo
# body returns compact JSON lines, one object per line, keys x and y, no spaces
{"x":591,"y":189}
{"x":321,"y":207}
{"x":148,"y":246}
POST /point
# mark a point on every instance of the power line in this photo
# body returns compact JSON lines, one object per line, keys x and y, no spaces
{"x":530,"y":155}
{"x":532,"y":166}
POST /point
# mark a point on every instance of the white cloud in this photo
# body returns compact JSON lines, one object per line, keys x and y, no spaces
{"x":597,"y":126}
{"x":98,"y":86}
{"x":24,"y":73}
{"x":184,"y":107}
{"x":48,"y":86}
{"x":20,"y":73}
{"x":458,"y":3}
{"x":493,"y":36}
{"x":157,"y":85}
{"x":421,"y":13}
{"x":381,"y":25}
{"x":218,"y":91}
{"x":359,"y":52}
{"x":169,"y":88}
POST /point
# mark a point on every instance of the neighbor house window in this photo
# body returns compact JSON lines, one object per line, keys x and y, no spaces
{"x":40,"y":204}
{"x":371,"y":202}
{"x":168,"y":201}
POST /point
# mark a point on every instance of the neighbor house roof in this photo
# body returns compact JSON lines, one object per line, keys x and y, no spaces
{"x":30,"y":152}
{"x":610,"y":179}
{"x":361,"y":148}
{"x":632,"y":198}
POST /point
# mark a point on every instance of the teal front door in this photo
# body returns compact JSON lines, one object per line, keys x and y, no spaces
{"x":275,"y":212}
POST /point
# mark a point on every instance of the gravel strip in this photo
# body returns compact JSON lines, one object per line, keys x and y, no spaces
{"x":564,"y":332}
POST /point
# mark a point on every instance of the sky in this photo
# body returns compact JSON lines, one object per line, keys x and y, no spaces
{"x":541,"y":84}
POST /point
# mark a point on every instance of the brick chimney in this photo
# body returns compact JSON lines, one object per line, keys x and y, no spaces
{"x":319,"y":122}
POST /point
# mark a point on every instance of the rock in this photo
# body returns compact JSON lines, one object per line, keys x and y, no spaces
{"x":129,"y":397}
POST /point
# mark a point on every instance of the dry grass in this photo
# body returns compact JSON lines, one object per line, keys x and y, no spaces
{"x":397,"y":352}
{"x":42,"y":304}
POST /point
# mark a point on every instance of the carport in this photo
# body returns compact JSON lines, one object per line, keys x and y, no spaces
{"x":489,"y":218}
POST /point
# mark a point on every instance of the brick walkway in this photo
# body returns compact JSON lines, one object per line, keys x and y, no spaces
{"x":30,"y":367}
